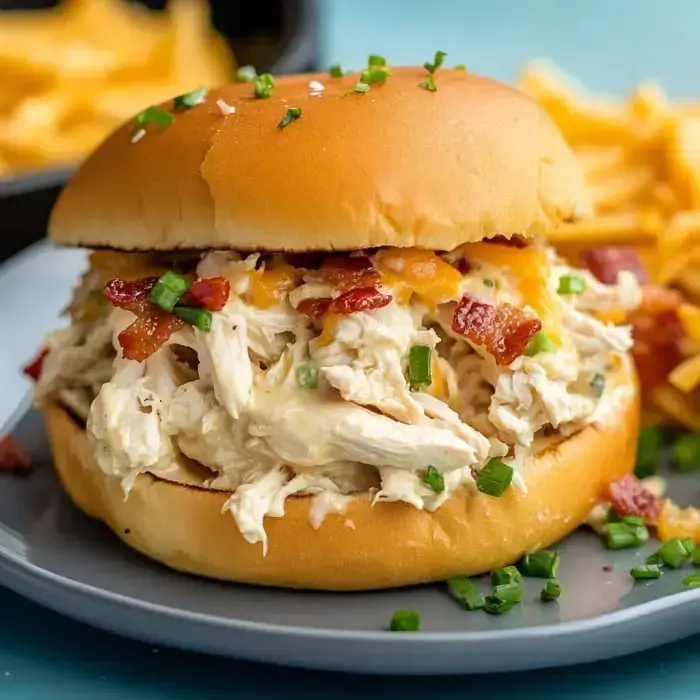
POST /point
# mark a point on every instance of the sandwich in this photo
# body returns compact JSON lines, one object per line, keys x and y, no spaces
{"x":321,"y":341}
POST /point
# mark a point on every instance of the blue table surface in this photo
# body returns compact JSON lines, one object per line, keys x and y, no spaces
{"x":609,"y":45}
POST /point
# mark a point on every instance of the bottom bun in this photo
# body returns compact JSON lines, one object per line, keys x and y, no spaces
{"x":365,"y":547}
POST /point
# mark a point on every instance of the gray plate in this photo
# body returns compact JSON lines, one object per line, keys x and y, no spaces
{"x":52,"y":554}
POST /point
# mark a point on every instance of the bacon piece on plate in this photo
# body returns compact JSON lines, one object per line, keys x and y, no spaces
{"x":357,"y":300}
{"x":628,"y":496}
{"x":13,"y":459}
{"x":33,"y":369}
{"x":346,"y":273}
{"x":313,"y":308}
{"x":606,"y":262}
{"x":211,"y":293}
{"x":503,"y":330}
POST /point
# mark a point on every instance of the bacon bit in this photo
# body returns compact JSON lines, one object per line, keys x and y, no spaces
{"x":13,"y":459}
{"x":33,"y":369}
{"x":148,"y":332}
{"x":512,"y":242}
{"x":357,"y":300}
{"x":211,"y":293}
{"x":126,"y":294}
{"x":504,"y":331}
{"x":628,"y":496}
{"x":606,"y":262}
{"x":314,"y":308}
{"x":346,"y":273}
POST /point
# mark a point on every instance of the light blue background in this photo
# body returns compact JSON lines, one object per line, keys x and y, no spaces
{"x":609,"y":45}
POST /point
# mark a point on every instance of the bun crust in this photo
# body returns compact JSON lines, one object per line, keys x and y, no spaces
{"x":397,"y":166}
{"x":366,"y":547}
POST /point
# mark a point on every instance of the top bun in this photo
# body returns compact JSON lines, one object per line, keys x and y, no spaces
{"x":396,"y":166}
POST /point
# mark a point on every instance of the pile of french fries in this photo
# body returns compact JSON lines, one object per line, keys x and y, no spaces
{"x":641,"y":159}
{"x":72,"y":74}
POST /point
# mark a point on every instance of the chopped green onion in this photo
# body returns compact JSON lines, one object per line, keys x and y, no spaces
{"x":597,"y":384}
{"x":550,"y":591}
{"x":541,"y":342}
{"x":460,"y":66}
{"x":420,"y":363}
{"x":624,"y":534}
{"x":691,"y":581}
{"x":437,"y":62}
{"x":695,"y":555}
{"x":293,"y":113}
{"x":434,"y":479}
{"x":262,"y":87}
{"x":168,"y":289}
{"x":571,"y":284}
{"x":541,"y":564}
{"x":494,"y":478}
{"x":195,"y":316}
{"x":336,"y":71}
{"x":509,"y":592}
{"x":508,"y":574}
{"x":672,"y":553}
{"x":375,"y":60}
{"x":375,"y":74}
{"x":361,"y":87}
{"x":489,"y":283}
{"x":246,"y":74}
{"x":154,"y":115}
{"x":686,"y":453}
{"x":645,"y":573}
{"x":307,"y":376}
{"x":654,"y":560}
{"x":688,"y":544}
{"x":466,"y":592}
{"x":190,"y":99}
{"x":649,"y":447}
{"x":428,"y":84}
{"x":496,"y":606}
{"x":405,"y":621}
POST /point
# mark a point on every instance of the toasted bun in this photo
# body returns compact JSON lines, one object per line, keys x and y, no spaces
{"x":366,"y":547}
{"x":397,"y":166}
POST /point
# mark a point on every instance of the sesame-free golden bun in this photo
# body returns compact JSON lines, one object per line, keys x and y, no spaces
{"x":397,"y":166}
{"x":366,"y":547}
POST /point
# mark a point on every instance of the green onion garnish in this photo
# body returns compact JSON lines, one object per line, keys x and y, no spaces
{"x":508,"y":574}
{"x":691,"y":581}
{"x":550,"y":591}
{"x":168,"y":289}
{"x":262,"y":87}
{"x":428,"y":84}
{"x":542,"y":564}
{"x":511,"y":592}
{"x":625,"y":534}
{"x":246,"y":74}
{"x":695,"y":555}
{"x":336,"y":71}
{"x":646,"y":573}
{"x":466,"y":592}
{"x":361,"y":87}
{"x":293,"y":113}
{"x":375,"y":74}
{"x":190,"y":99}
{"x":686,"y":452}
{"x":489,"y":283}
{"x":649,"y":447}
{"x":307,"y":376}
{"x":460,"y":66}
{"x":597,"y":384}
{"x":195,"y":316}
{"x":437,"y":62}
{"x":541,"y":342}
{"x":571,"y":284}
{"x":420,"y":364}
{"x":405,"y":621}
{"x":434,"y":479}
{"x":375,"y":60}
{"x":154,"y":115}
{"x":672,"y":553}
{"x":494,"y":478}
{"x":496,"y":606}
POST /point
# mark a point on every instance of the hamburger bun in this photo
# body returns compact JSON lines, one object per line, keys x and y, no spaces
{"x":366,"y":547}
{"x":397,"y":166}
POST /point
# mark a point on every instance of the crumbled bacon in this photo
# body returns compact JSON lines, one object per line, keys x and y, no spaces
{"x":628,"y":496}
{"x":13,"y":459}
{"x":126,"y":293}
{"x":503,"y":330}
{"x":346,"y":273}
{"x":211,"y":293}
{"x":512,"y":242}
{"x":33,"y":369}
{"x":606,"y":262}
{"x":357,"y":300}
{"x":148,"y":332}
{"x":313,"y":308}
